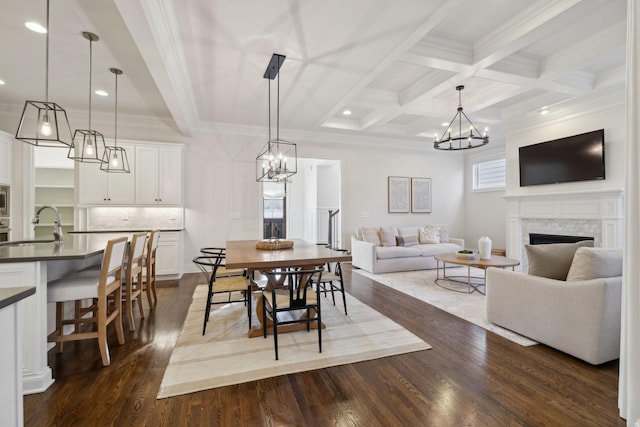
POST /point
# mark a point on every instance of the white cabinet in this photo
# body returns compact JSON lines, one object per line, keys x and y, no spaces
{"x":168,"y":254}
{"x":97,"y":187}
{"x":158,"y":175}
{"x":5,"y":160}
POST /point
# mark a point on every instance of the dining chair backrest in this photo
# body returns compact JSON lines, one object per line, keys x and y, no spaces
{"x":298,"y":282}
{"x":208,"y":264}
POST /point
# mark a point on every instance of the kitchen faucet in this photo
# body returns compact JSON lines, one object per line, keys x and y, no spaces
{"x":57,"y":226}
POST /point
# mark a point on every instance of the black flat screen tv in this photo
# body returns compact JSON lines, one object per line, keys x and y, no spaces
{"x":570,"y":159}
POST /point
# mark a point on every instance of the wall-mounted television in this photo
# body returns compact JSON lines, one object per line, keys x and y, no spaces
{"x":570,"y":159}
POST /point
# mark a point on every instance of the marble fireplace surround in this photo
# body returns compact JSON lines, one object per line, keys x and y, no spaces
{"x":598,"y":214}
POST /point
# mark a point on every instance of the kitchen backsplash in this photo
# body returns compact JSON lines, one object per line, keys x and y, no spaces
{"x":120,"y":218}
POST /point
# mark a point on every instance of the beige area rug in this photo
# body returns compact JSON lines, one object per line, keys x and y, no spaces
{"x":470,"y":307}
{"x":225,"y":355}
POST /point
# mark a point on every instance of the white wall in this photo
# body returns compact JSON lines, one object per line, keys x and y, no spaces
{"x":612,"y":120}
{"x":485,"y":211}
{"x":222,"y":196}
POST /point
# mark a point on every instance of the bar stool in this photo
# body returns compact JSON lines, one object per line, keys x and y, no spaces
{"x":133,"y":288}
{"x":149,"y":270}
{"x":81,"y":286}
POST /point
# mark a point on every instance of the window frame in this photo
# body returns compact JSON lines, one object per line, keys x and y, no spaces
{"x":475,"y":171}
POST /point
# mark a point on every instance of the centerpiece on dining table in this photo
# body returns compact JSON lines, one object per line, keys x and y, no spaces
{"x":274,"y":243}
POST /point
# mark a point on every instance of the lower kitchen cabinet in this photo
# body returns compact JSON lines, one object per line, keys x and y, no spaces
{"x":169,"y":253}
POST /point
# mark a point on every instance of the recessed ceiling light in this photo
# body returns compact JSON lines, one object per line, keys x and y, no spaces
{"x":1,"y":82}
{"x":346,"y":113}
{"x":544,"y":111}
{"x":34,"y":26}
{"x":444,"y":124}
{"x":101,"y":92}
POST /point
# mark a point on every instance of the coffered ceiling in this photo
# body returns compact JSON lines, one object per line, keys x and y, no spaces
{"x":198,"y":64}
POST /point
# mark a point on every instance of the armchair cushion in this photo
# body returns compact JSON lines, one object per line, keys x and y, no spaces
{"x":553,"y":260}
{"x":592,"y":263}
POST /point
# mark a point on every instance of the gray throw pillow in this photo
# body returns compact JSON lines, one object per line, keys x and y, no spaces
{"x":407,"y":240}
{"x":553,"y":260}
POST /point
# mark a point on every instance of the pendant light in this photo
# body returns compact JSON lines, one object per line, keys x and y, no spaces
{"x":278,"y":160}
{"x":44,"y":123}
{"x":115,"y":158}
{"x":88,"y":144}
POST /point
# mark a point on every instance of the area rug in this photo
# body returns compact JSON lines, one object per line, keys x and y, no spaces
{"x":470,"y":307}
{"x":226,"y":356}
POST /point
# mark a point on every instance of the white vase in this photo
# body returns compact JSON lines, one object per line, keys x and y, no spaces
{"x":484,"y":247}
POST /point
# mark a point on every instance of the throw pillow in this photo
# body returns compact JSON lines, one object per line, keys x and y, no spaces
{"x":407,"y":240}
{"x":594,"y":263}
{"x":370,"y":234}
{"x":552,"y":260}
{"x":444,"y":233}
{"x":387,"y":236}
{"x":430,"y":234}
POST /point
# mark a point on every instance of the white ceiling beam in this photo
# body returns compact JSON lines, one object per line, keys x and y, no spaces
{"x":153,"y":26}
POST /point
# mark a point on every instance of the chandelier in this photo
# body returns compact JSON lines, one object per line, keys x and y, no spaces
{"x":459,"y":141}
{"x":278,"y":160}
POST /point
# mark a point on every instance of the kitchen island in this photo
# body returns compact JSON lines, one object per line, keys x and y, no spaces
{"x":34,"y":263}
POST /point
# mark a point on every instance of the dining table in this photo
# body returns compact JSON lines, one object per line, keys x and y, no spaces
{"x":245,"y":254}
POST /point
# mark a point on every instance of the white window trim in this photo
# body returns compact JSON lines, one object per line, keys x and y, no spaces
{"x":474,"y":175}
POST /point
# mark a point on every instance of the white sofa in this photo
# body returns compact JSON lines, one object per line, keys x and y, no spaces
{"x":402,"y":253}
{"x":579,"y":316}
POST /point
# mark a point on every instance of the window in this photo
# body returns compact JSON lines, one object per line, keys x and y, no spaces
{"x":273,"y":208}
{"x":489,"y":175}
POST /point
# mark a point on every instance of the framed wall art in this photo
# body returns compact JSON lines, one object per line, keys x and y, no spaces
{"x":399,"y":194}
{"x":421,"y":195}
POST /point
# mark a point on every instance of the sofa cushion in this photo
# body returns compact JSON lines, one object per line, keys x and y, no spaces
{"x":595,"y":263}
{"x":407,"y":240}
{"x":444,"y":233}
{"x":370,"y":234}
{"x":430,"y":234}
{"x":552,"y":260}
{"x":396,"y":252}
{"x":387,"y":236}
{"x":442,"y":248}
{"x":408,"y":231}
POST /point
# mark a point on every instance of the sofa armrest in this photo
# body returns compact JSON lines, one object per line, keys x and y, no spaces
{"x":455,"y":240}
{"x":581,"y":318}
{"x":363,"y":254}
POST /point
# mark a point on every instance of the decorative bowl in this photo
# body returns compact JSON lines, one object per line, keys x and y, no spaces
{"x":466,"y":256}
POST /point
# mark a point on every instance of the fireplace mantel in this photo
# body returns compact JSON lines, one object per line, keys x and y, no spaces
{"x":597,"y":213}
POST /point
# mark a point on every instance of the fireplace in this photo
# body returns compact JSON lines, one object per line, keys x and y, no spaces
{"x":544,"y":239}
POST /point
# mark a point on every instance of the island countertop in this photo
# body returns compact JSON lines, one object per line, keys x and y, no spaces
{"x":74,"y":246}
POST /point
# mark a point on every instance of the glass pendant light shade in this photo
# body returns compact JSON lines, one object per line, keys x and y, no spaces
{"x":115,"y":158}
{"x":278,"y":159}
{"x":88,"y":144}
{"x":44,"y":123}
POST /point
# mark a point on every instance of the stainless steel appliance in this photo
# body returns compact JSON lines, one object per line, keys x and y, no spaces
{"x":4,"y":229}
{"x":4,"y":200}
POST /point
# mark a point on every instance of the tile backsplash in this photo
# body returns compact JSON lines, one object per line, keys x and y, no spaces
{"x":123,"y":218}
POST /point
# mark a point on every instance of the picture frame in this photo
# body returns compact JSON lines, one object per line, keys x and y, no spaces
{"x":421,"y":195}
{"x":399,"y":194}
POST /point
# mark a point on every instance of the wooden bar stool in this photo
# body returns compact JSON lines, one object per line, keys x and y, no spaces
{"x":101,"y":288}
{"x":133,"y":288}
{"x":149,"y":270}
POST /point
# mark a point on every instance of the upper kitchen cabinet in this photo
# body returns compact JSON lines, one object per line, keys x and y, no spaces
{"x":5,"y":159}
{"x":159,"y":174}
{"x":97,"y":187}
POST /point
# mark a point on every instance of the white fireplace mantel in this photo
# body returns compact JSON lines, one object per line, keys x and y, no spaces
{"x":597,"y":213}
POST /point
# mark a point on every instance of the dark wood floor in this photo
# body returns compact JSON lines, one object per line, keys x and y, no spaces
{"x":471,"y":377}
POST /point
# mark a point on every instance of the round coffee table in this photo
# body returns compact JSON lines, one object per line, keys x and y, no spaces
{"x":473,"y":282}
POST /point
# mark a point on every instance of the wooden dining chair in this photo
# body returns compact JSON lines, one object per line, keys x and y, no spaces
{"x":222,"y":270}
{"x":333,"y":282}
{"x":230,"y":285}
{"x":105,"y":292}
{"x":289,"y":291}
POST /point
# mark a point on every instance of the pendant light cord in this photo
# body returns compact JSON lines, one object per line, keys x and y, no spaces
{"x":115,"y":133}
{"x":90,"y":72}
{"x":46,"y":79}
